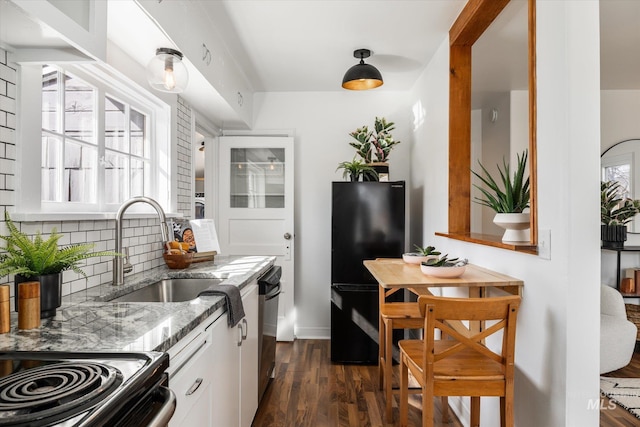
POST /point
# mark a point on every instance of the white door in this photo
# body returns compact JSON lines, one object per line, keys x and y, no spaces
{"x":256,"y":208}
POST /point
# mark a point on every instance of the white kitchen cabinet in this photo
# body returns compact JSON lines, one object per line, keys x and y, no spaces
{"x":191,"y":375}
{"x":82,"y":24}
{"x":249,"y":359}
{"x":235,"y":390}
{"x":214,"y":370}
{"x":205,"y":50}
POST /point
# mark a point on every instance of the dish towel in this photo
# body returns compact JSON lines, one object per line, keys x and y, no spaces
{"x":233,"y":299}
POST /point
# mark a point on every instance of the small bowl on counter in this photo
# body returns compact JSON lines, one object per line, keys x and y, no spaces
{"x":178,"y":260}
{"x":449,"y":270}
{"x":416,"y":257}
{"x":443,"y":272}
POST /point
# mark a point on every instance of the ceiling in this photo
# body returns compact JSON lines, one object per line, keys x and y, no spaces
{"x":307,"y":45}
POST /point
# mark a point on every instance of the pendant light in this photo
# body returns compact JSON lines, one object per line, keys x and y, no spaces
{"x":166,"y":72}
{"x":362,"y":76}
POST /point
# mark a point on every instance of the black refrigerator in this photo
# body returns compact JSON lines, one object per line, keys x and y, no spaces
{"x":367,"y":222}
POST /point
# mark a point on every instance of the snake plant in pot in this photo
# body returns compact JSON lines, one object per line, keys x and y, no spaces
{"x":508,"y":197}
{"x":41,"y":260}
{"x":616,"y":211}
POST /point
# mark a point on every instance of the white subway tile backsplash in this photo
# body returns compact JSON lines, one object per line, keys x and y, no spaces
{"x":7,"y":73}
{"x":79,"y":237}
{"x":7,"y":134}
{"x":107,"y":234}
{"x":11,"y":90}
{"x":93,"y":236}
{"x":9,"y":151}
{"x":7,"y":197}
{"x":69,"y":226}
{"x":8,"y":104}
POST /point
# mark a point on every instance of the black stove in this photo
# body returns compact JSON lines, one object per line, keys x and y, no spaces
{"x":87,"y":389}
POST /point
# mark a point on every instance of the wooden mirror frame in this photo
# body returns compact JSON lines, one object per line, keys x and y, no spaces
{"x":474,"y":19}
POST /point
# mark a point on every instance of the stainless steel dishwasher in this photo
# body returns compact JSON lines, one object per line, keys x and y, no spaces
{"x":269,"y":290}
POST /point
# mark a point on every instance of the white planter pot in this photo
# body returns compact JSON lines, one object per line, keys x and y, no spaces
{"x":516,"y":226}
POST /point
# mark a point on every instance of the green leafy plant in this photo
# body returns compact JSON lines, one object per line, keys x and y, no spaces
{"x":443,"y":261}
{"x":363,"y":144}
{"x":37,"y":257}
{"x":513,"y":195}
{"x":355,"y":168}
{"x":374,"y":144}
{"x":429,"y":250}
{"x":615,"y":208}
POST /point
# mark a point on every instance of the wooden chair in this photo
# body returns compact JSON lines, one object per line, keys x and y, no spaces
{"x":461,"y":365}
{"x":395,"y":315}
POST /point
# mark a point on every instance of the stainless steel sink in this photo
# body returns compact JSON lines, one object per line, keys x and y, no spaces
{"x":169,"y":290}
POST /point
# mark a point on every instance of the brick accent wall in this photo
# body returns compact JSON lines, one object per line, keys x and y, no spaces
{"x":185,"y":182}
{"x":141,"y":236}
{"x":7,"y":130}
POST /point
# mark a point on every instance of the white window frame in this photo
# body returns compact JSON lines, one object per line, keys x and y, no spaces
{"x":29,"y":137}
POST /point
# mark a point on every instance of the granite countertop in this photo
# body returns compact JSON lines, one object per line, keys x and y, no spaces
{"x":86,"y":321}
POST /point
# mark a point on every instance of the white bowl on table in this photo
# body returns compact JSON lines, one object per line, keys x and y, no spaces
{"x":443,"y":272}
{"x":416,"y":257}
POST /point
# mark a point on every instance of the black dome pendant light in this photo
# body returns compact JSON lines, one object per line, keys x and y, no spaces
{"x":362,"y":76}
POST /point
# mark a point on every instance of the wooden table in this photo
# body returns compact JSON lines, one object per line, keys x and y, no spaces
{"x":394,"y":274}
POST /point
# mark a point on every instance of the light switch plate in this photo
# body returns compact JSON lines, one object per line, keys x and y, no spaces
{"x":544,"y":244}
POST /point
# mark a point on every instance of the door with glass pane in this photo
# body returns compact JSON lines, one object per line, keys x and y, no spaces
{"x":256,"y":208}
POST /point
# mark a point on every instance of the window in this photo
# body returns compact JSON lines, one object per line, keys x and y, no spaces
{"x":126,"y":160}
{"x":71,"y":145}
{"x":101,"y":138}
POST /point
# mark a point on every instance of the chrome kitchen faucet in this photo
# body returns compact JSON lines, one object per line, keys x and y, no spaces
{"x":118,"y":270}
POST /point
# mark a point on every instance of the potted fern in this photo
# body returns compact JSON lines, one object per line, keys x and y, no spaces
{"x":508,"y":197}
{"x":356,"y":168}
{"x":41,"y":260}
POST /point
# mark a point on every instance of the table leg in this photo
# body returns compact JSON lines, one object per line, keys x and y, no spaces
{"x":381,"y":336}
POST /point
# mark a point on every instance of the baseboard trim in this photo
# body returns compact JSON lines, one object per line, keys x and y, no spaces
{"x":312,"y":333}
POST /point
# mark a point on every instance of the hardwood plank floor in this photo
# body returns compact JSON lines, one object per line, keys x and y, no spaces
{"x":611,"y":415}
{"x":309,"y":390}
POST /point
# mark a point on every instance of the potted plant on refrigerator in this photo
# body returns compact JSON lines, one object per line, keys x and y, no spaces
{"x":357,"y":168}
{"x":508,"y":200}
{"x":41,"y":260}
{"x":616,"y":211}
{"x":374,"y":146}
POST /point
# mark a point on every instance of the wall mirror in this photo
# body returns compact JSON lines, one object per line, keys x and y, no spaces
{"x":620,"y":163}
{"x":490,"y":36}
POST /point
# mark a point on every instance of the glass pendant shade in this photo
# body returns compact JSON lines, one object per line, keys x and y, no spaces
{"x":362,"y":76}
{"x":166,"y":72}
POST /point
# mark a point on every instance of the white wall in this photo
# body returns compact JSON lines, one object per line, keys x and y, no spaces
{"x":558,"y":328}
{"x":322,"y":122}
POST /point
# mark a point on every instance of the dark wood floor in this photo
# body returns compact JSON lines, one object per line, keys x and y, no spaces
{"x":309,"y":390}
{"x":619,"y":417}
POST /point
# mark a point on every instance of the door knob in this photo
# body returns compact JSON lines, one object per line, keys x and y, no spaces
{"x":287,"y":236}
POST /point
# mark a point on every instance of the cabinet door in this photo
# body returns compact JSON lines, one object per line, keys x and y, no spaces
{"x":191,"y":384}
{"x":249,"y":359}
{"x":226,"y":373}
